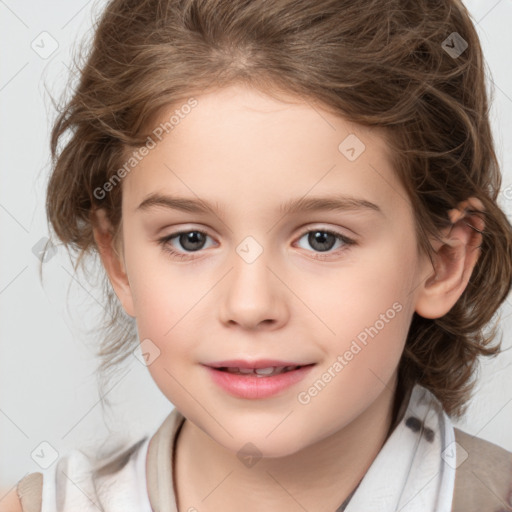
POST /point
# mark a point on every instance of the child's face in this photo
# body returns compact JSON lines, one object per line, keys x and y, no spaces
{"x":254,"y":288}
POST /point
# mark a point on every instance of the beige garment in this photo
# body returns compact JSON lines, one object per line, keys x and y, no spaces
{"x":483,"y":481}
{"x":161,"y":453}
{"x":29,"y":491}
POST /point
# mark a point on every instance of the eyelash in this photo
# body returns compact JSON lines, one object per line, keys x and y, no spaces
{"x":164,"y":242}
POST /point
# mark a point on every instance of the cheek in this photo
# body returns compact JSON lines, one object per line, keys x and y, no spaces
{"x":365,"y":315}
{"x":154,"y":289}
{"x":165,"y":322}
{"x":376,"y":283}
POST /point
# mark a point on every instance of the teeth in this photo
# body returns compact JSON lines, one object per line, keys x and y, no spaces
{"x":262,"y":372}
{"x":243,"y":370}
{"x":268,"y":371}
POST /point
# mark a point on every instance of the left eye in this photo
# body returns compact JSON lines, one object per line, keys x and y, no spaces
{"x":320,"y":240}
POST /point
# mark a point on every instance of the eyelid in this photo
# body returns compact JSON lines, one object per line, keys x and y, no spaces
{"x":319,"y":226}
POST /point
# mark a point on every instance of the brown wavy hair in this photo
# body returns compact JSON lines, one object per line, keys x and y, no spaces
{"x":379,"y":63}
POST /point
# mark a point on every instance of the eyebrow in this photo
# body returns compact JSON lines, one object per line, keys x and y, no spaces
{"x":303,"y":204}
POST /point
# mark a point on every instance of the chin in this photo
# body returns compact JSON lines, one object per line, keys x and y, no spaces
{"x":259,"y":446}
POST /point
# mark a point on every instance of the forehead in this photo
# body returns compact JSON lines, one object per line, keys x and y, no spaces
{"x":241,"y":141}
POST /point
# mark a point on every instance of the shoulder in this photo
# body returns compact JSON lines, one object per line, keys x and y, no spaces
{"x":11,"y":502}
{"x":96,"y":477}
{"x":26,"y":496}
{"x":483,"y":475}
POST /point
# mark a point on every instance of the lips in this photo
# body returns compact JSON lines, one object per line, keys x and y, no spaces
{"x":257,"y":379}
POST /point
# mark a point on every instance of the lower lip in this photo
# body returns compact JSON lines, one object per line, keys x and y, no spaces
{"x":250,"y":386}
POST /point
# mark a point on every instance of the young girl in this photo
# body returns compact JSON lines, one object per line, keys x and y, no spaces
{"x":333,"y":162}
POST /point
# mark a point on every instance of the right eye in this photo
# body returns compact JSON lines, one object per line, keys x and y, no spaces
{"x":192,"y":240}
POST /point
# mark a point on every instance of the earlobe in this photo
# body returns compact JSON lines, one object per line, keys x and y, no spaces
{"x":112,"y":259}
{"x":454,"y":261}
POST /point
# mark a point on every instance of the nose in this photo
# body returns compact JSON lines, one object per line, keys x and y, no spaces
{"x":253,"y":294}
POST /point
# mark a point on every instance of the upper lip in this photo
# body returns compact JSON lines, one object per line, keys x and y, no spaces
{"x":260,"y":363}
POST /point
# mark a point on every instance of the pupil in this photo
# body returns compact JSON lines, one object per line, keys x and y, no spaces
{"x":320,"y":240}
{"x":193,"y":237}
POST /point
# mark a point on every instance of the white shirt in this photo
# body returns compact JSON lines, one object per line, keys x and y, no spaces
{"x":411,"y":473}
{"x":68,"y":485}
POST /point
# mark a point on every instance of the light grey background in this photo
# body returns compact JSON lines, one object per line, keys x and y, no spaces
{"x":48,"y":390}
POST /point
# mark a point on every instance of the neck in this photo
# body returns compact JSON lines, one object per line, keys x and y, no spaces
{"x":319,"y":477}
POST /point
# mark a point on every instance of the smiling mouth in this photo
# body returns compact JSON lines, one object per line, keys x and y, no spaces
{"x":252,"y":383}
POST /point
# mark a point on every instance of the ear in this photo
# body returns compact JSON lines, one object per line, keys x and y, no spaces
{"x":112,"y":259}
{"x":454,"y":260}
